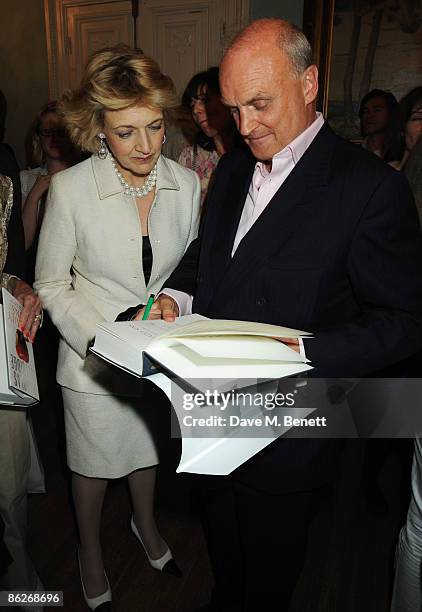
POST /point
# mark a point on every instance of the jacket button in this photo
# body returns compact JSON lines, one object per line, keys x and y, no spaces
{"x":261,"y":301}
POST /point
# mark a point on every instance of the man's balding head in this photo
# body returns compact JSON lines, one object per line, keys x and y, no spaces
{"x":270,"y":84}
{"x":283,"y":34}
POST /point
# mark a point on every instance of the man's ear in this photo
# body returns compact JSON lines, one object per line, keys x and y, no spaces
{"x":310,"y":84}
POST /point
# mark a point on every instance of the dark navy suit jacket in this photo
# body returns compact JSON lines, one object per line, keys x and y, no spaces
{"x":337,"y":251}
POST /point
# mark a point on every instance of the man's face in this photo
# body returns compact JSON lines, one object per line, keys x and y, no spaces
{"x":270,"y":106}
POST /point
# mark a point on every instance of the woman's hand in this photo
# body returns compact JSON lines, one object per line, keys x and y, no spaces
{"x":39,"y":188}
{"x":31,"y":315}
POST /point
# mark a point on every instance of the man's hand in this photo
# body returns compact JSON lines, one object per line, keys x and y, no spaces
{"x":31,"y":315}
{"x":164,"y":307}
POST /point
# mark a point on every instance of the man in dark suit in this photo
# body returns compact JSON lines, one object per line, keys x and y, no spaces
{"x":304,"y":230}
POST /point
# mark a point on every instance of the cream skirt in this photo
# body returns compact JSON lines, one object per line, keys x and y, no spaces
{"x":108,"y":436}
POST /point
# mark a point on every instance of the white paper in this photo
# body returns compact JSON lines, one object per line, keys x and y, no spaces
{"x":185,"y":363}
{"x":219,"y":456}
{"x":142,"y":333}
{"x":241,"y":347}
{"x":163,"y":382}
{"x":220,"y":327}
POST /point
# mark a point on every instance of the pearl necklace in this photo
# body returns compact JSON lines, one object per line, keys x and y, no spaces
{"x":138,"y":192}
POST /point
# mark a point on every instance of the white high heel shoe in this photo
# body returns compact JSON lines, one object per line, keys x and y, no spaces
{"x":94,"y":603}
{"x":165,"y":563}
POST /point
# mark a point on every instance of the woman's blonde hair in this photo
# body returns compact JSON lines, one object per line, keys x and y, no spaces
{"x":115,"y":78}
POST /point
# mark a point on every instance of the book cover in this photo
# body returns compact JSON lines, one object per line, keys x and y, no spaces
{"x":20,"y":362}
{"x":196,"y":347}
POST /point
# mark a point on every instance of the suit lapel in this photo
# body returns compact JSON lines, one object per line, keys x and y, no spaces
{"x":228,"y":221}
{"x":304,"y":187}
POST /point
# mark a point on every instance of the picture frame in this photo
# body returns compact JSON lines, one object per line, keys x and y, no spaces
{"x":318,"y":17}
{"x":360,"y":45}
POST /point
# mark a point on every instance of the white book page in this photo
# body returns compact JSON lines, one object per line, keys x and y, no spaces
{"x":185,"y":363}
{"x":220,"y":327}
{"x":211,"y":455}
{"x":218,"y":455}
{"x":142,"y":334}
{"x":241,"y":347}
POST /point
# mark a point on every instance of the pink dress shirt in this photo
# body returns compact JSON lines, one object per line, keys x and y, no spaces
{"x":265,"y":183}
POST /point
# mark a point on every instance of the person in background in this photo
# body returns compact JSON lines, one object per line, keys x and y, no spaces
{"x":217,"y":132}
{"x":404,"y":131}
{"x":20,"y":468}
{"x":19,"y":472}
{"x":413,"y":173}
{"x":406,"y":128}
{"x":407,"y":590}
{"x":115,"y":226}
{"x":51,"y":151}
{"x":180,"y":132}
{"x":375,"y":111}
{"x":9,"y":167}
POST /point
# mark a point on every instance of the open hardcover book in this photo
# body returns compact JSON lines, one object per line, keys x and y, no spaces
{"x":201,"y":352}
{"x":196,"y":347}
{"x":18,"y":379}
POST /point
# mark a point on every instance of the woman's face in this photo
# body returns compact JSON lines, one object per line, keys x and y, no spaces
{"x":135,"y":137}
{"x":374,"y":116}
{"x":209,"y":113}
{"x":413,"y":127}
{"x":54,"y":141}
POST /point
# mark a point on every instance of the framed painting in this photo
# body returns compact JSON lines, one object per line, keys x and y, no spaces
{"x":360,"y":45}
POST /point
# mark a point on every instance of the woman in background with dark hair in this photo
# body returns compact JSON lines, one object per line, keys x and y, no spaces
{"x":217,"y":132}
{"x":375,"y":112}
{"x":406,"y":127}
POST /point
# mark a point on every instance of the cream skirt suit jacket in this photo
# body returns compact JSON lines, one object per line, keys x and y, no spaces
{"x":89,"y":268}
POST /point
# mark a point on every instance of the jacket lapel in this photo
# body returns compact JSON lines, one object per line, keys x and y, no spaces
{"x":105,"y":177}
{"x":229,"y":216}
{"x":304,"y":187}
{"x":108,"y":183}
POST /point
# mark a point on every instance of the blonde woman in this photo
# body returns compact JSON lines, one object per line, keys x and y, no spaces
{"x":115,"y":227}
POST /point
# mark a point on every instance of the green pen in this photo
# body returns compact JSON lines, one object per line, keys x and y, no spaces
{"x":148,"y":306}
